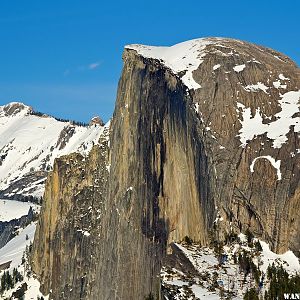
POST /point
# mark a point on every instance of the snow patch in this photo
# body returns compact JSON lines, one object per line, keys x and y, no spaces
{"x":242,"y":237}
{"x":289,"y":260}
{"x":256,"y":87}
{"x":239,"y":68}
{"x":216,"y":67}
{"x":253,"y":126}
{"x":202,"y":293}
{"x":223,"y":270}
{"x":282,"y":77}
{"x":277,"y":84}
{"x":13,"y":250}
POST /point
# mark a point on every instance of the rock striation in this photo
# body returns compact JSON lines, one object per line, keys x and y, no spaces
{"x":67,"y":235}
{"x":204,"y":140}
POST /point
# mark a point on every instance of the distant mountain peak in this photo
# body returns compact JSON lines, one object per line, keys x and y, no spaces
{"x":30,"y":141}
{"x":15,"y":108}
{"x":96,"y":121}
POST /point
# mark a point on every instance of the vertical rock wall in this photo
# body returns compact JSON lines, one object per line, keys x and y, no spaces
{"x":67,"y":236}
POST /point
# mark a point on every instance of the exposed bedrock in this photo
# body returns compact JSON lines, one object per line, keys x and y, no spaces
{"x":182,"y":162}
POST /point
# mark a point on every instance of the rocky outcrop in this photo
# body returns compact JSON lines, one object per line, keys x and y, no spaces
{"x":204,"y":140}
{"x":96,"y":121}
{"x":15,"y":108}
{"x":67,"y":236}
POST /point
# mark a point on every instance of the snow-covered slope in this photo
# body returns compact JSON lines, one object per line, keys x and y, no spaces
{"x":182,"y":57}
{"x":211,"y":278}
{"x":29,"y":143}
{"x":13,"y":250}
{"x":13,"y":253}
{"x":10,"y":209}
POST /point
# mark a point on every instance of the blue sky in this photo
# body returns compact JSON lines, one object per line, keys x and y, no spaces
{"x":64,"y":57}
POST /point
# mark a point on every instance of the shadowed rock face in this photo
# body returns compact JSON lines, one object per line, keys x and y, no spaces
{"x":179,"y":159}
{"x":158,"y":189}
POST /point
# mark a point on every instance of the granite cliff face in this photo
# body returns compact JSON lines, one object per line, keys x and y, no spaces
{"x":67,"y":235}
{"x":204,"y":140}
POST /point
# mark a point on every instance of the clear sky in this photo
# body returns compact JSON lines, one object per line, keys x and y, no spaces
{"x":65,"y":57}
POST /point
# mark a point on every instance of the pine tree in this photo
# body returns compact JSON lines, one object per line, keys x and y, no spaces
{"x":3,"y":282}
{"x":251,"y":294}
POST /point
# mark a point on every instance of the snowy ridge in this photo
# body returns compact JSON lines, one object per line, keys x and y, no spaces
{"x":30,"y":143}
{"x":183,"y":57}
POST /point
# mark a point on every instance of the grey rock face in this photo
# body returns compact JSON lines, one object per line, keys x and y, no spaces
{"x":67,"y":237}
{"x":176,"y":164}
